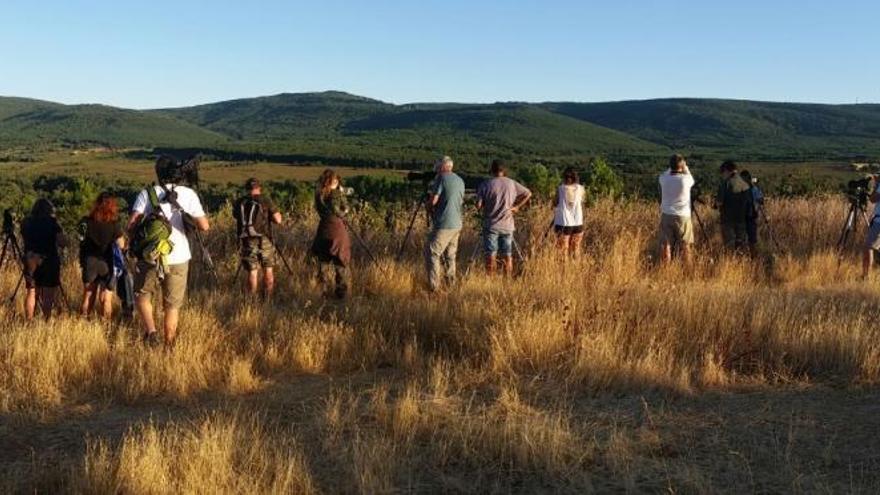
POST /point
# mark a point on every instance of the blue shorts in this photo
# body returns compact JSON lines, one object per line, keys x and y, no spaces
{"x":498,"y":242}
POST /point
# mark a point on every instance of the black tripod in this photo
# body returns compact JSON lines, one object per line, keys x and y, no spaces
{"x":412,"y":222}
{"x":703,"y":235}
{"x":205,"y":255}
{"x":11,"y":246}
{"x":857,"y":209}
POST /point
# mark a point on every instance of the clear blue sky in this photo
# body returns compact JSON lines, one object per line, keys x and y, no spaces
{"x":159,"y":53}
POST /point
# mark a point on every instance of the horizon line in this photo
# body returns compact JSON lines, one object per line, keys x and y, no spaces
{"x":437,"y":102}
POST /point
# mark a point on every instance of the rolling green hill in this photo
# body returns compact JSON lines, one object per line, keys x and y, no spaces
{"x":747,"y":129}
{"x":336,"y":127}
{"x":32,"y":122}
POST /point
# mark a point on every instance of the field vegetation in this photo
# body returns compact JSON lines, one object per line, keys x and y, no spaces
{"x":610,"y":373}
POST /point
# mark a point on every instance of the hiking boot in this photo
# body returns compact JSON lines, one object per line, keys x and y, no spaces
{"x":151,"y":339}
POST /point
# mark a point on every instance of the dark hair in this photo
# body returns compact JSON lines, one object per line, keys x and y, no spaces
{"x":105,"y":209}
{"x":746,"y":176}
{"x":570,"y":176}
{"x":498,"y":167}
{"x":327,"y":177}
{"x":674,"y":160}
{"x":43,"y":208}
{"x":252,"y":184}
{"x":728,"y":166}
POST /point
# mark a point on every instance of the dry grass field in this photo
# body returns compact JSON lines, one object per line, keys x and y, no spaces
{"x":610,"y":374}
{"x":116,"y":166}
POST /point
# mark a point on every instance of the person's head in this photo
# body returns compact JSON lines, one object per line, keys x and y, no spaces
{"x":443,"y":165}
{"x":43,"y":208}
{"x":570,"y":176}
{"x":253,"y":186}
{"x":498,"y":169}
{"x":746,"y":176}
{"x":677,"y":163}
{"x":728,"y":168}
{"x":167,"y":169}
{"x":328,"y":182}
{"x":105,"y":209}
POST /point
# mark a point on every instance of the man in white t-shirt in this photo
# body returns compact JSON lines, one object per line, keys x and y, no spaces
{"x":175,"y":201}
{"x":676,"y":229}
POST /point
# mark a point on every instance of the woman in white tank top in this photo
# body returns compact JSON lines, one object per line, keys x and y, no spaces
{"x":569,"y":217}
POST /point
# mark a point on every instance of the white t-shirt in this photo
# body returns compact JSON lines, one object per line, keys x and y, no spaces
{"x":570,"y":208}
{"x":189,"y":202}
{"x":675,"y":191}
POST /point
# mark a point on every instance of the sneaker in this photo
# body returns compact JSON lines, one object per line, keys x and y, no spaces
{"x":151,"y":339}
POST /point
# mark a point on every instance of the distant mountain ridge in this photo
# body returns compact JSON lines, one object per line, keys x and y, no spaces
{"x":336,"y":126}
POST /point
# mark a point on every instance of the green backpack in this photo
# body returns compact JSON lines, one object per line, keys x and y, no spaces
{"x":151,"y":243}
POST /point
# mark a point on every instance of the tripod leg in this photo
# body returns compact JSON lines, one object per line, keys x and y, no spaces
{"x":409,"y":229}
{"x":844,"y":233}
{"x":522,"y":259}
{"x":3,"y":255}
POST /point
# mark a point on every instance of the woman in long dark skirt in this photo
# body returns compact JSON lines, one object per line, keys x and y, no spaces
{"x":332,"y":245}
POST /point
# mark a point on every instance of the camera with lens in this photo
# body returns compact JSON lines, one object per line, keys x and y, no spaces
{"x":183,"y":172}
{"x":859,"y":191}
{"x":421,"y":176}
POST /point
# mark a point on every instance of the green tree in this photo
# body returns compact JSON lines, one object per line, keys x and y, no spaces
{"x":539,"y":179}
{"x":601,"y":181}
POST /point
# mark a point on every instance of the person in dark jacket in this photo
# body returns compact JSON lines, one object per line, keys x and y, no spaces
{"x":99,"y":232}
{"x":332,"y":244}
{"x":734,"y":202}
{"x":43,"y":239}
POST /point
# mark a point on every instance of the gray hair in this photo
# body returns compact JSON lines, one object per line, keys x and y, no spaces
{"x":444,"y":164}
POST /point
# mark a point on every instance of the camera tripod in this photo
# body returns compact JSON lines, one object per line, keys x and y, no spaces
{"x":478,"y":247}
{"x":857,"y":209}
{"x":696,"y":214}
{"x":412,"y":222}
{"x":11,"y":247}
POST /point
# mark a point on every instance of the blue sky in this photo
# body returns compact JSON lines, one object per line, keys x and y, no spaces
{"x":158,"y":53}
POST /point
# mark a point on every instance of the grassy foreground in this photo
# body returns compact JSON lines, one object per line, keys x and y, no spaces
{"x":611,"y":374}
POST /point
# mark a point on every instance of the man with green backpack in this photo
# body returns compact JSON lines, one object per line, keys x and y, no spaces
{"x":255,"y":214}
{"x":159,"y":242}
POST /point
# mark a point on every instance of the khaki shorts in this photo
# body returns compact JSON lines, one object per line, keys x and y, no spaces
{"x":675,"y":230}
{"x":256,"y":253}
{"x":173,"y":286}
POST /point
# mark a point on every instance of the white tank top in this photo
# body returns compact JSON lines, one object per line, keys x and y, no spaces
{"x":570,"y":208}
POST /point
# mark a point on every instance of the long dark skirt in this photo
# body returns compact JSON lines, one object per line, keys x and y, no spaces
{"x":332,"y":243}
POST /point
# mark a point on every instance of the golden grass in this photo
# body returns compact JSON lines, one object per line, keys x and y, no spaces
{"x":579,"y":378}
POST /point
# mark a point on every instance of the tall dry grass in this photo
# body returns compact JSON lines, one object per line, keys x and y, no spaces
{"x":484,"y":374}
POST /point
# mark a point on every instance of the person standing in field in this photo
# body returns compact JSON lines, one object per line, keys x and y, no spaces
{"x":676,"y":227}
{"x":872,"y":242}
{"x":43,"y":239}
{"x":255,"y":214}
{"x":753,"y":216}
{"x":332,"y":244}
{"x":568,"y":219}
{"x":734,"y":203}
{"x":500,"y":198}
{"x":163,"y":262}
{"x":444,"y":202}
{"x":99,"y":232}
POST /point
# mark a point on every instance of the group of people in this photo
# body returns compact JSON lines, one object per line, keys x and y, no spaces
{"x":738,"y":200}
{"x":165,"y":213}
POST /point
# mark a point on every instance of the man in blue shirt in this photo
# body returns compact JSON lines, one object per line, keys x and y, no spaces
{"x":444,"y":202}
{"x":500,"y":198}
